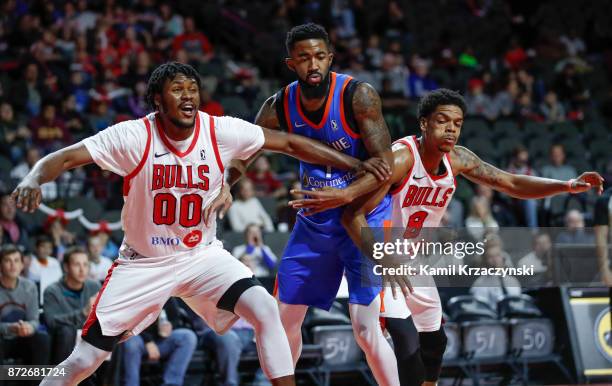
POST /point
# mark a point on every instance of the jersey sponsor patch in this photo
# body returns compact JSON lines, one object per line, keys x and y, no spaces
{"x":192,"y":238}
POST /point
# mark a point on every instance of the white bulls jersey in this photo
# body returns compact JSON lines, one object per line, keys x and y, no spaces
{"x":167,"y":184}
{"x":421,"y":199}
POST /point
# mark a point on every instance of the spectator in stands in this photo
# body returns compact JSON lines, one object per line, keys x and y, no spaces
{"x":265,"y":259}
{"x":574,"y":45}
{"x":551,"y":109}
{"x":504,"y":100}
{"x":196,"y":44}
{"x":575,"y":232}
{"x":479,"y":104}
{"x":48,"y":131}
{"x":76,"y":123}
{"x":55,"y":228}
{"x":19,"y":334}
{"x":98,"y":263}
{"x":515,"y":56}
{"x":137,"y":101}
{"x":9,"y":221}
{"x":480,"y":218}
{"x":110,"y":248}
{"x":492,"y":287}
{"x":541,"y":255}
{"x":525,"y":109}
{"x":247,"y":209}
{"x":162,"y":340}
{"x":209,"y":105}
{"x":419,"y":80}
{"x":172,"y":23}
{"x":102,"y":117}
{"x":49,"y":190}
{"x":559,"y":170}
{"x":264,"y":181}
{"x":44,"y":269}
{"x":68,"y":302}
{"x":26,"y":93}
{"x":571,"y":88}
{"x":14,"y":135}
{"x":519,"y":164}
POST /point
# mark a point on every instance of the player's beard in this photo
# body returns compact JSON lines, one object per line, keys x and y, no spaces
{"x":175,"y":121}
{"x":314,"y":91}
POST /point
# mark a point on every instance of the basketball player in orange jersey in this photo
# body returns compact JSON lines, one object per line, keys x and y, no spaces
{"x":346,"y":114}
{"x":173,"y":162}
{"x":421,"y":186}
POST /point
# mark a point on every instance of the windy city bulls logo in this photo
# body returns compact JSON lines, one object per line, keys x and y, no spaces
{"x":192,"y":238}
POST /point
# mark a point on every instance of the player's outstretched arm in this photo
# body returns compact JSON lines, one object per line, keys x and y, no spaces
{"x":517,"y":185}
{"x":28,"y":195}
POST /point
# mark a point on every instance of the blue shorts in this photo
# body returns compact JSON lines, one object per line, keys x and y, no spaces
{"x":318,"y":252}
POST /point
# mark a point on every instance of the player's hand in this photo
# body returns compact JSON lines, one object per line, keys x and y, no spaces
{"x":27,"y":195}
{"x":164,"y":329}
{"x":320,"y":200}
{"x":585,"y":182}
{"x":153,"y":351}
{"x":395,"y":281}
{"x":220,"y":205}
{"x":375,"y":165}
{"x":24,"y":329}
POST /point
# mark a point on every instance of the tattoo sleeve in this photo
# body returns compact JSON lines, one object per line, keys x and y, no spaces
{"x":515,"y":185}
{"x":372,"y":127}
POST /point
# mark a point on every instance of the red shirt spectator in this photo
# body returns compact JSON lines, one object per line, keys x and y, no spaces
{"x":195,"y":43}
{"x":209,"y":105}
{"x":48,"y":130}
{"x":515,"y":56}
{"x":264,"y":181}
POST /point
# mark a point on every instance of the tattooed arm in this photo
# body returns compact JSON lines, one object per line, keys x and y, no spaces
{"x":516,"y":185}
{"x":371,"y":124}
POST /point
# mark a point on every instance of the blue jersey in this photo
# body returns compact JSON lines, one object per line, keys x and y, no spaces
{"x":332,"y":130}
{"x":319,"y":250}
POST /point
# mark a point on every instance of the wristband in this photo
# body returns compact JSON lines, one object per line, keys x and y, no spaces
{"x":569,"y":185}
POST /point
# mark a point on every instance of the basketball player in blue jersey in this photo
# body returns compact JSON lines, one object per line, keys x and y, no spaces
{"x":428,"y":164}
{"x":346,"y":114}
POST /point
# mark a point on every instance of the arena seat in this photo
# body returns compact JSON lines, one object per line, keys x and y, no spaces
{"x":341,"y":353}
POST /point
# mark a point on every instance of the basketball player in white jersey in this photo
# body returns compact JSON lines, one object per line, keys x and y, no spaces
{"x":422,"y":185}
{"x":173,"y":162}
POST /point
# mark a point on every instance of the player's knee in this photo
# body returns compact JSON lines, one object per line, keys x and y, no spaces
{"x":365,"y":335}
{"x":265,"y":312}
{"x":433,"y":345}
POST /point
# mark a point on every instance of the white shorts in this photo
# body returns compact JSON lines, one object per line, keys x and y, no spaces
{"x":423,"y":304}
{"x":137,"y":288}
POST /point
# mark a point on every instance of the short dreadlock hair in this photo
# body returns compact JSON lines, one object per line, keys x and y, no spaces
{"x":167,"y":71}
{"x":440,"y":97}
{"x":305,"y":32}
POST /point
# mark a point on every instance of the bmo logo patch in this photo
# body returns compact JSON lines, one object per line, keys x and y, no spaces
{"x":164,"y":241}
{"x":192,"y":238}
